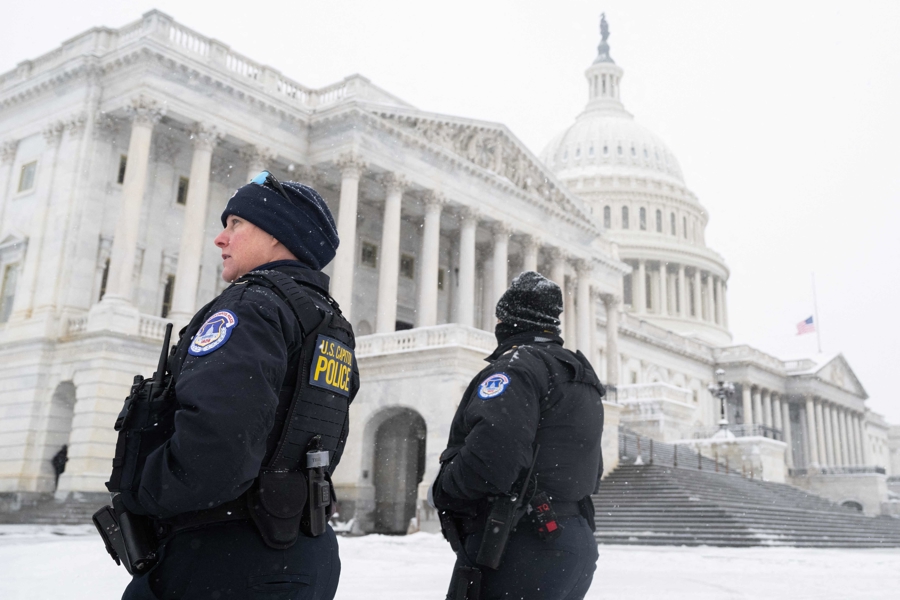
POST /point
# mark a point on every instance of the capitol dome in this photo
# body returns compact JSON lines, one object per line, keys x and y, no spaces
{"x":630,"y":180}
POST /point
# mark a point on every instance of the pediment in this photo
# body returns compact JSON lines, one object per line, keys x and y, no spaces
{"x":837,"y":371}
{"x":492,"y":147}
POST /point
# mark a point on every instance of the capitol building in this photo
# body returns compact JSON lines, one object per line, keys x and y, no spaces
{"x":120,"y":148}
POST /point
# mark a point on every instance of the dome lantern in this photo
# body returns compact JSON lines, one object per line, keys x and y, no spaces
{"x":604,"y":76}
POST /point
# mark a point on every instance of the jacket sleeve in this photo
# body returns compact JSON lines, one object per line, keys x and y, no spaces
{"x":227,"y":404}
{"x":501,"y":430}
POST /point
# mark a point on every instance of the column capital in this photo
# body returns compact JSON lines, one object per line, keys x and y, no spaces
{"x":258,"y":155}
{"x":351,"y":164}
{"x":205,"y":136}
{"x":530,"y":242}
{"x":469,"y":214}
{"x":394,"y":183}
{"x":145,"y":111}
{"x":583,"y":267}
{"x":8,"y":151}
{"x":165,"y":147}
{"x":557,"y":254}
{"x":500,"y":229}
{"x":53,"y":132}
{"x":433,"y":201}
{"x":610,"y":300}
{"x":76,"y":123}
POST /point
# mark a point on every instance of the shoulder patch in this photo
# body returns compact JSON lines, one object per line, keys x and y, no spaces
{"x":332,"y":365}
{"x":493,"y":386}
{"x":213,"y":334}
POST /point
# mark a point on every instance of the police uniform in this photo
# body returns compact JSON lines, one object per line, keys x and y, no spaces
{"x":235,"y":369}
{"x":534,"y":392}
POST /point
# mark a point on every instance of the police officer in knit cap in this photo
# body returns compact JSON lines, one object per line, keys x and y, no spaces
{"x":263,"y":375}
{"x":533,"y":396}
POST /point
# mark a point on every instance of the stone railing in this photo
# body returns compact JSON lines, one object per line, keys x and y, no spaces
{"x":745,"y":353}
{"x":153,"y":328}
{"x":637,"y":327}
{"x":742,"y":431}
{"x":75,"y":325}
{"x":641,"y":392}
{"x":854,"y":470}
{"x":423,"y":338}
{"x":160,"y":29}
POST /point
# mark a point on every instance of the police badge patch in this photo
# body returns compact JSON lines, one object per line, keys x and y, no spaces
{"x":493,"y":386}
{"x":213,"y":334}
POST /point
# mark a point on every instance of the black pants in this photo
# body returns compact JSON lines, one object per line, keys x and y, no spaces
{"x":536,"y":570}
{"x":230,"y":561}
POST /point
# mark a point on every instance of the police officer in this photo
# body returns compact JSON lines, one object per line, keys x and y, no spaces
{"x":236,"y":368}
{"x":533,"y":393}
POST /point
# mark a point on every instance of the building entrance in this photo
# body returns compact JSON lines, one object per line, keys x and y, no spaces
{"x":399,"y":466}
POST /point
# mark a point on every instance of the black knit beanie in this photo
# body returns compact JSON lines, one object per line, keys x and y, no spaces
{"x":531,"y":303}
{"x":304,"y":224}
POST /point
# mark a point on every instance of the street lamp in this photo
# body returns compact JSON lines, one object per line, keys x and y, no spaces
{"x":723,"y":390}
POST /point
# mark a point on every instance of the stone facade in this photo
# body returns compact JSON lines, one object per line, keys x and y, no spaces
{"x":119,"y":150}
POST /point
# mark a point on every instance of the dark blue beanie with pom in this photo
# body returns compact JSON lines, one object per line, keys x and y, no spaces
{"x":303,"y":224}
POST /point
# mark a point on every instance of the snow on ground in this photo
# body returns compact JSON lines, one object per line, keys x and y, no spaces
{"x":70,"y":563}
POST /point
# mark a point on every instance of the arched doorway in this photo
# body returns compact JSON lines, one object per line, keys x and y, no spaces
{"x":59,"y":427}
{"x":399,"y":465}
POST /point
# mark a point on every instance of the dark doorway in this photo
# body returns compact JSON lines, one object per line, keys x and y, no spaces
{"x":399,"y":467}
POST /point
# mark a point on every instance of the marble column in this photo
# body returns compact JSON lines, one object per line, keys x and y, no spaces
{"x":530,"y":253}
{"x":193,"y":229}
{"x":488,"y":306}
{"x":500,"y":280}
{"x":612,"y":304}
{"x":786,"y":433}
{"x":724,"y":307}
{"x":757,"y":407}
{"x":827,"y":425}
{"x":583,"y":270}
{"x":853,"y":439}
{"x":466,"y":288}
{"x":345,"y":259}
{"x":8,"y":151}
{"x":710,"y":301}
{"x":863,"y":438}
{"x":389,"y":261}
{"x":145,"y":115}
{"x":641,"y":300}
{"x":820,"y":437}
{"x":30,"y":272}
{"x":698,"y":298}
{"x":812,"y":432}
{"x":720,"y":318}
{"x":835,"y":435}
{"x":747,"y":403}
{"x":683,"y":310}
{"x":775,"y":401}
{"x":430,"y":261}
{"x":845,"y":438}
{"x":663,"y":289}
{"x":558,"y":275}
{"x":258,"y":159}
{"x":767,"y":409}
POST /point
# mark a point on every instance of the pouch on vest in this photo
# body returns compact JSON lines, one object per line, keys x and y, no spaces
{"x":276,"y":506}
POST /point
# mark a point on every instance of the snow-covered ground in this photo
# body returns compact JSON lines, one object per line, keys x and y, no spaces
{"x":69,"y":563}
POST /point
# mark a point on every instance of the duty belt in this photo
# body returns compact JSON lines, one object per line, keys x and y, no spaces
{"x":233,"y":510}
{"x":468,"y":526}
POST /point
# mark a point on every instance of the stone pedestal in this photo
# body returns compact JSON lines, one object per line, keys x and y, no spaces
{"x":758,"y":457}
{"x":657,"y":410}
{"x":114,"y":315}
{"x":869,"y":490}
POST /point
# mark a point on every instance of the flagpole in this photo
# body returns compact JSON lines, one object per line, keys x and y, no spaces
{"x":816,"y":313}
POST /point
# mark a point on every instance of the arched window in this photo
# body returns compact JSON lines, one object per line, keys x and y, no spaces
{"x":658,"y":221}
{"x":624,"y":217}
{"x":605,"y":149}
{"x":684,"y":226}
{"x":620,"y":150}
{"x":643,"y":219}
{"x":607,"y":217}
{"x":673,"y":223}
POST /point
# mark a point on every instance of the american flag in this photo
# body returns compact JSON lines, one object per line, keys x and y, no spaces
{"x":806,"y":326}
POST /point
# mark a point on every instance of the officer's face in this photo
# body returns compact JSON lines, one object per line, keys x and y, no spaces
{"x":244,"y":247}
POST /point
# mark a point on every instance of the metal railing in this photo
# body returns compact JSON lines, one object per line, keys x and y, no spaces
{"x":743,"y":431}
{"x":852,"y":470}
{"x":636,"y":449}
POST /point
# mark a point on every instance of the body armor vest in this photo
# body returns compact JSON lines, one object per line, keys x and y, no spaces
{"x":279,"y":501}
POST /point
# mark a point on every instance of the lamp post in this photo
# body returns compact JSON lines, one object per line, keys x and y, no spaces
{"x":723,"y":390}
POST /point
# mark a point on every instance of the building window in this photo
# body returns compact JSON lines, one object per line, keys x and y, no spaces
{"x":183,"y":185}
{"x":8,"y":291}
{"x":167,"y":296}
{"x":402,"y":325}
{"x":624,"y":217}
{"x":633,"y":152}
{"x":643,"y":219}
{"x":607,"y":217}
{"x":26,"y":176}
{"x":672,"y":220}
{"x":684,"y":226}
{"x":620,"y":150}
{"x":648,"y":283}
{"x":659,"y":221}
{"x":441,"y":278}
{"x":123,"y":162}
{"x":591,"y":151}
{"x":578,"y":152}
{"x":605,"y":149}
{"x":369,"y":255}
{"x":407,"y":266}
{"x":103,"y":279}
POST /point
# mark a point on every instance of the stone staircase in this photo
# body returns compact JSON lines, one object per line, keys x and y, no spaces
{"x":658,"y":504}
{"x":46,"y":509}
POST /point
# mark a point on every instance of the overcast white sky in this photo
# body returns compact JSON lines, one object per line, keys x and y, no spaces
{"x":784,"y":116}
